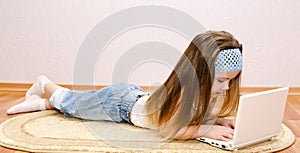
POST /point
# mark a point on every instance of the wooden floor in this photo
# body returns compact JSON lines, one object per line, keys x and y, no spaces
{"x":291,"y":117}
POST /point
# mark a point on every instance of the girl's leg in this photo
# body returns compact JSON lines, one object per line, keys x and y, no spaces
{"x":50,"y":88}
{"x":48,"y":105}
{"x":33,"y":100}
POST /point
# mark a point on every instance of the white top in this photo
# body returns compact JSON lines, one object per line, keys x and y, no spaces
{"x":138,"y":115}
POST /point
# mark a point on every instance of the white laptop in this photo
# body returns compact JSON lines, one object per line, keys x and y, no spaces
{"x":259,"y":118}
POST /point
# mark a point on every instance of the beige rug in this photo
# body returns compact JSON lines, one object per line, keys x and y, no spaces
{"x":49,"y":131}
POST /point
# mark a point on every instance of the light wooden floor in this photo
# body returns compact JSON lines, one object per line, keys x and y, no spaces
{"x":291,"y":117}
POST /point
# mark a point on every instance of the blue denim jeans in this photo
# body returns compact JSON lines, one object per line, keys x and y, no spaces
{"x":112,"y":103}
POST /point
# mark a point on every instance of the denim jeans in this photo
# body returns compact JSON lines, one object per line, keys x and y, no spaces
{"x":112,"y":103}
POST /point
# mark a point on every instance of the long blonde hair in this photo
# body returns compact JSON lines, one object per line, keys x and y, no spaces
{"x":184,"y":97}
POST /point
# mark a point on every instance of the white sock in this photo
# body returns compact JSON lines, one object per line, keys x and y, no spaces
{"x":38,"y":87}
{"x":32,"y":103}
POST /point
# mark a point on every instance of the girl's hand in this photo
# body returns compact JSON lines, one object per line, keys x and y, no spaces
{"x":230,"y":123}
{"x":219,"y":132}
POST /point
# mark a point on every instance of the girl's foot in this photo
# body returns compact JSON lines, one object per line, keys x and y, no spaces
{"x":38,"y":87}
{"x":32,"y":103}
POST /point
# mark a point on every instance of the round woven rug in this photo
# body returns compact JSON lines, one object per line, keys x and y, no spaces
{"x":50,"y":131}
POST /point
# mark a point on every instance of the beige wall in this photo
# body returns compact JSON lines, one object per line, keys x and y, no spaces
{"x":44,"y":36}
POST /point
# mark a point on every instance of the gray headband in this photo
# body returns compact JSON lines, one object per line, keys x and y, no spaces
{"x":229,"y":60}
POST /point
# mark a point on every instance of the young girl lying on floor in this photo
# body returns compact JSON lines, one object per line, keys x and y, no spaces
{"x":184,"y":107}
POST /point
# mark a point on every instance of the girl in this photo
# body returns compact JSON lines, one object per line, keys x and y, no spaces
{"x":186,"y":106}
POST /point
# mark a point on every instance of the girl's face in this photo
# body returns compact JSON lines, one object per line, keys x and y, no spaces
{"x":221,"y":82}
